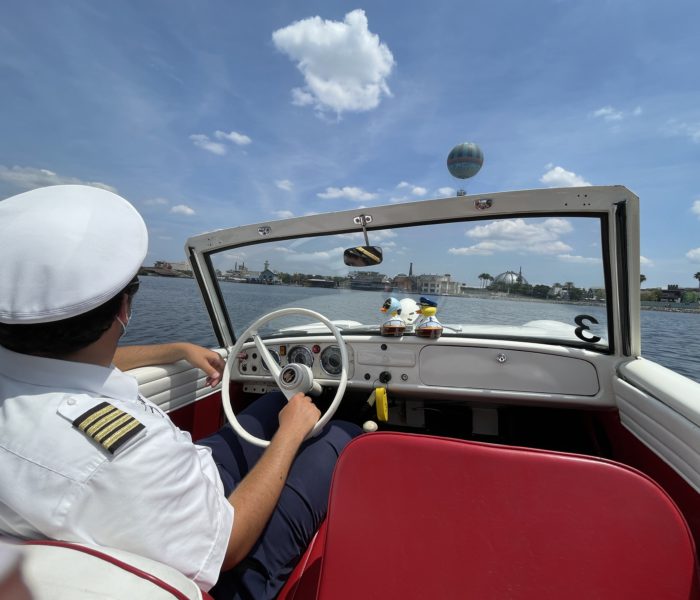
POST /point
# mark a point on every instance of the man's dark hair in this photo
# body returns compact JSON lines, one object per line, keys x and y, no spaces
{"x":60,"y":338}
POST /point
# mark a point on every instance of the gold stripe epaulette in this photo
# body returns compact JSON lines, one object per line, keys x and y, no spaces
{"x":109,"y":426}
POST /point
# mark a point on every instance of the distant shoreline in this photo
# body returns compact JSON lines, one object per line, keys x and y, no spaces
{"x":665,"y":307}
{"x":662,"y":307}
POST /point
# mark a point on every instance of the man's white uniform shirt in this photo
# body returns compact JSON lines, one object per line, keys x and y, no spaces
{"x":139,"y":484}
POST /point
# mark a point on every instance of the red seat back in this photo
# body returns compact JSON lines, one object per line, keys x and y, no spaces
{"x":424,"y":517}
{"x":302,"y":584}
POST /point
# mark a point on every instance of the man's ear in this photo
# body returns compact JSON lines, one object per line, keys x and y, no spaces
{"x":124,"y":307}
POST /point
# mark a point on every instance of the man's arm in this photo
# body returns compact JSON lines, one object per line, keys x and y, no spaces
{"x":256,"y":496}
{"x":131,"y":357}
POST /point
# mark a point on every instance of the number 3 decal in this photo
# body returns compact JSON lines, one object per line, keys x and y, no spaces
{"x":582,"y":327}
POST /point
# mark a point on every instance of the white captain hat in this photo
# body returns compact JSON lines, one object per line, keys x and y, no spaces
{"x":66,"y":249}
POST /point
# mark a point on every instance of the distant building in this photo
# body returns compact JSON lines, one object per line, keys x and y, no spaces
{"x":437,"y":284}
{"x":406,"y":283}
{"x":369,"y":281}
{"x":267,"y":276}
{"x":162,"y":268}
{"x":241,"y":273}
{"x":183,"y":267}
{"x":557,"y":291}
{"x":319,"y":282}
{"x":511,"y":278}
{"x":672,"y":294}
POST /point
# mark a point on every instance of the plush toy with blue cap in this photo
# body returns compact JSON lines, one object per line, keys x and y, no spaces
{"x":429,"y":326}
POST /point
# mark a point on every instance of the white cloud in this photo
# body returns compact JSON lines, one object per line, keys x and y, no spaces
{"x":202,"y":141}
{"x":696,"y":208}
{"x":519,"y":229}
{"x":29,"y":178}
{"x":182,"y":209}
{"x":515,"y":235}
{"x":645,"y":262}
{"x":691,"y":130}
{"x":206,"y":143}
{"x":237,"y":138}
{"x":301,"y":98}
{"x":608,"y":113}
{"x":320,"y":256}
{"x":416,"y":190}
{"x":446,"y":192}
{"x":157,"y":202}
{"x":554,"y":247}
{"x":559,"y":177}
{"x":348,"y":192}
{"x":485,"y":249}
{"x":283,"y":214}
{"x":582,"y":260}
{"x":693,"y":255}
{"x":345,"y":66}
{"x":235,"y":256}
{"x":284,"y":184}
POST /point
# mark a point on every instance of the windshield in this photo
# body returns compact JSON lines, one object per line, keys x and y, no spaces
{"x":526,"y":278}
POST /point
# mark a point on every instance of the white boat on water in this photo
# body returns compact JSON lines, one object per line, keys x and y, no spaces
{"x":537,"y":458}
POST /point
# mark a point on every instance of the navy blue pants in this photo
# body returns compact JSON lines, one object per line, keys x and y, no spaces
{"x":301,"y":507}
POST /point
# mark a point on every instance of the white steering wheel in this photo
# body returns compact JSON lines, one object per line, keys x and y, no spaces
{"x":291,"y":378}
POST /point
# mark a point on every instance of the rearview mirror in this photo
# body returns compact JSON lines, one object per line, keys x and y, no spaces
{"x":362,"y":256}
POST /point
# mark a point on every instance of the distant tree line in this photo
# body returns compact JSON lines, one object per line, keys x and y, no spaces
{"x":564,"y":291}
{"x":656,"y":294}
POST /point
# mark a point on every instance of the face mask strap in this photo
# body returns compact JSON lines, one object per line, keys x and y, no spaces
{"x":124,"y":325}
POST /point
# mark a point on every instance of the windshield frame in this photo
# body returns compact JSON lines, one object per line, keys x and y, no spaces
{"x":617,"y":226}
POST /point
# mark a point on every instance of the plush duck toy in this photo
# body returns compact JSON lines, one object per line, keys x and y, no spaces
{"x":428,"y":326}
{"x":394,"y":326}
{"x":409,"y":312}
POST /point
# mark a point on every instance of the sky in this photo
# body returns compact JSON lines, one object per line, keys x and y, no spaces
{"x":210,"y":113}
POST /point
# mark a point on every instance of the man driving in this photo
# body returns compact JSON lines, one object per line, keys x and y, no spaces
{"x":85,"y":458}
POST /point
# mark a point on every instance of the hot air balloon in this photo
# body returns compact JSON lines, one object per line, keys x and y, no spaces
{"x":465,"y":160}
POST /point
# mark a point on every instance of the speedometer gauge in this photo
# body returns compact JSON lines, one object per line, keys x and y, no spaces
{"x":301,"y":355}
{"x":275,"y":356}
{"x":331,"y":361}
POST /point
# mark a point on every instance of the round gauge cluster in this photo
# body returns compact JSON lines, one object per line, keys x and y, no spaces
{"x":274,"y":355}
{"x":300,"y":355}
{"x":331,"y":361}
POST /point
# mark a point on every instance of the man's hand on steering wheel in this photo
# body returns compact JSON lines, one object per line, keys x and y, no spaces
{"x":293,"y":379}
{"x":298,"y":416}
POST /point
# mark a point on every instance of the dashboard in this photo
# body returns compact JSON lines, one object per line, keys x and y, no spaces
{"x":448,"y":368}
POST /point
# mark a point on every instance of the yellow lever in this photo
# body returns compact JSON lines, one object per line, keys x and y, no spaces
{"x":382,"y":404}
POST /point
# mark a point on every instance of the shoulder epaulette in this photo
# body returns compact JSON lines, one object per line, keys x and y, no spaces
{"x":109,"y":426}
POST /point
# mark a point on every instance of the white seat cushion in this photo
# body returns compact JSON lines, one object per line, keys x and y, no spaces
{"x":78,"y":571}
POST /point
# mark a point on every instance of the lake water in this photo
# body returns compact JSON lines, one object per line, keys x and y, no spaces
{"x":169,"y":309}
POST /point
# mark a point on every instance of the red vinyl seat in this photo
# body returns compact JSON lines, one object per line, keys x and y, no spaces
{"x":302,"y":584}
{"x":425,"y":517}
